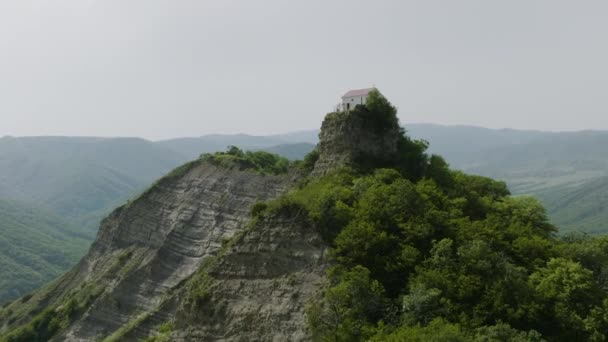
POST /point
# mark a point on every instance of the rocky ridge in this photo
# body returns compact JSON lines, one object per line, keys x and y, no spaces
{"x":187,"y":255}
{"x":148,"y":248}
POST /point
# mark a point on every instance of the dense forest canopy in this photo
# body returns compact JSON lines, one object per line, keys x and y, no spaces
{"x":423,"y":253}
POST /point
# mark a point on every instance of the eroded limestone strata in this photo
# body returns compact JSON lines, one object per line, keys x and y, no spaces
{"x":147,"y":248}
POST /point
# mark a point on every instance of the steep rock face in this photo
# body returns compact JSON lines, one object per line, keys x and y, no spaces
{"x":187,"y":252}
{"x":347,"y":136}
{"x":255,"y":289}
{"x":147,"y":248}
{"x":261,"y":285}
{"x":171,"y":230}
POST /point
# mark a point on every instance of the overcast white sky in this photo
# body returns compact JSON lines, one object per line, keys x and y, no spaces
{"x":159,"y":69}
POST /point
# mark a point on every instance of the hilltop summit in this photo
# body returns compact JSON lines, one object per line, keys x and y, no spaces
{"x":366,"y":137}
{"x":350,"y":137}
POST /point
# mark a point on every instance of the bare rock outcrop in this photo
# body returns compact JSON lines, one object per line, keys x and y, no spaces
{"x":346,"y":138}
{"x":261,"y":285}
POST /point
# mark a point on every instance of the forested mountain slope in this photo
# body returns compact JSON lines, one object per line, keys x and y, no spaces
{"x":81,"y":179}
{"x":566,"y":171}
{"x":581,"y":206}
{"x":561,"y":169}
{"x":369,"y":238}
{"x":35,"y":247}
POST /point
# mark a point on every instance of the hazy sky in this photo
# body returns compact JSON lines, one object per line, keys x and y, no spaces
{"x":159,"y":69}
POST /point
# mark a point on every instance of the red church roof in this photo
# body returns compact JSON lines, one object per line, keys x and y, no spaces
{"x":358,"y":92}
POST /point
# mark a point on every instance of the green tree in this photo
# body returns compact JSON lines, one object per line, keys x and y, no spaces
{"x":385,"y":114}
{"x":349,"y":309}
{"x":503,"y":332}
{"x":439,"y":330}
{"x":568,"y":292}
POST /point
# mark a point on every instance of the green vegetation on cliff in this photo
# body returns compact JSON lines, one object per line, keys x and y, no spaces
{"x":259,"y":161}
{"x":418,"y":252}
{"x":44,"y":325}
{"x":566,"y":171}
{"x":422,"y":251}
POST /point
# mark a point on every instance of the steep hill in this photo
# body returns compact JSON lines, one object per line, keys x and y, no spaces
{"x":75,"y":182}
{"x":81,"y":179}
{"x":53,"y":193}
{"x":148,"y":249}
{"x":368,"y":239}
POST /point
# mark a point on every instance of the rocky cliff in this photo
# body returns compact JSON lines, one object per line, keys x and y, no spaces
{"x":135,"y":275}
{"x":348,"y":137}
{"x":186,"y":261}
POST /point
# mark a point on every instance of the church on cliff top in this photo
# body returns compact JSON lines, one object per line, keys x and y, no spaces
{"x":355,"y":97}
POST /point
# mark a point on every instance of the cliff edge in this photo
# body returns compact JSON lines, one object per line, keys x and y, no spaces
{"x":187,"y":260}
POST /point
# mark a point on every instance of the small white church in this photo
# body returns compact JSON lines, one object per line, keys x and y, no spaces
{"x":355,"y":97}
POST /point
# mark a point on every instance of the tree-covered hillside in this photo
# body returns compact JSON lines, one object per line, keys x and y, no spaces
{"x":80,"y":179}
{"x":581,"y":206}
{"x":425,"y":253}
{"x":35,"y":247}
{"x":449,"y":257}
{"x":74,"y":182}
{"x":564,"y":170}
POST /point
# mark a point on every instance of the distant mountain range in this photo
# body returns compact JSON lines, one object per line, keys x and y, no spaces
{"x":80,"y":179}
{"x":54,"y":190}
